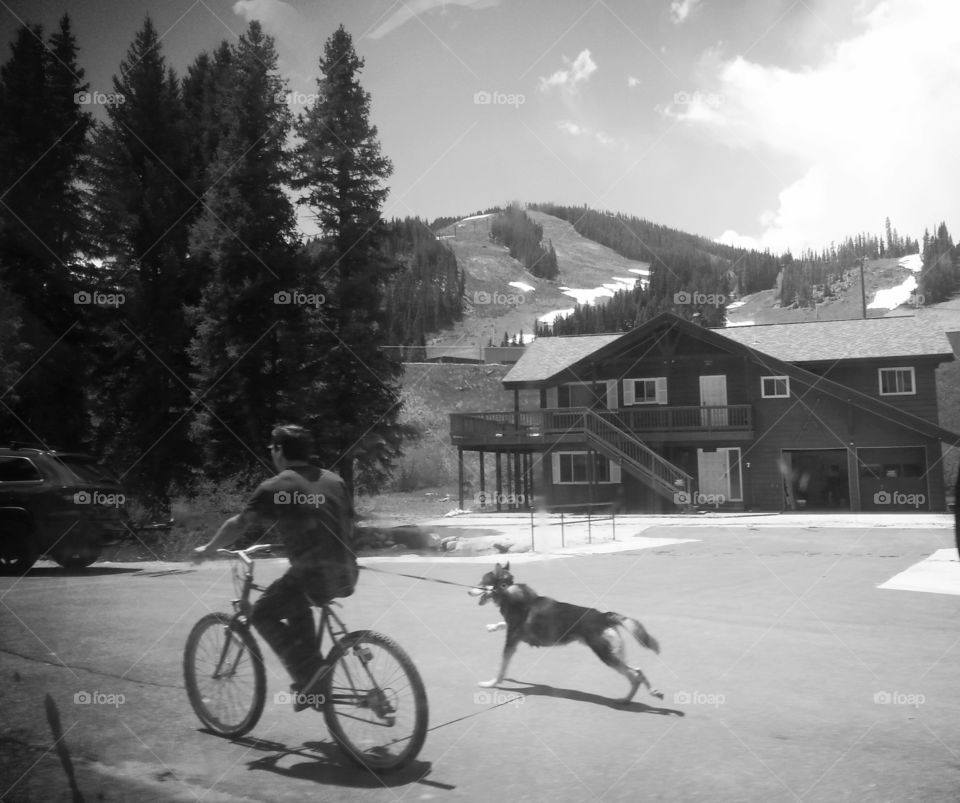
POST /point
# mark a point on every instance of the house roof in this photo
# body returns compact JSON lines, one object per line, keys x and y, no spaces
{"x":547,"y":356}
{"x":537,"y":367}
{"x":815,"y":341}
{"x":859,"y":339}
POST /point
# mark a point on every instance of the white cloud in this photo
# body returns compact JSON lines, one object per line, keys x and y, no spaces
{"x":568,"y":80}
{"x":681,"y":9}
{"x":577,"y":130}
{"x":298,"y":42}
{"x":417,"y":8}
{"x":875,"y":125}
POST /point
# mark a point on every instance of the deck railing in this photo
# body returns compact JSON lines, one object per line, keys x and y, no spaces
{"x":531,"y":424}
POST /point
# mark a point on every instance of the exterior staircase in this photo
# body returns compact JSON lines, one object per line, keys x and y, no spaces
{"x":636,"y":457}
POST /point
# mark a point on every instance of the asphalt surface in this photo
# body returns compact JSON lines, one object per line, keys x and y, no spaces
{"x":788,"y":673}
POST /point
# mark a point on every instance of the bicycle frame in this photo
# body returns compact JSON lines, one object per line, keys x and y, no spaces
{"x":329,"y":622}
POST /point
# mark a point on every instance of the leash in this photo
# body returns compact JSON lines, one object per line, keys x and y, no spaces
{"x":417,"y":577}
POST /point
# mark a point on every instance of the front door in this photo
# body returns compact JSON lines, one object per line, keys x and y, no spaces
{"x":713,"y":394}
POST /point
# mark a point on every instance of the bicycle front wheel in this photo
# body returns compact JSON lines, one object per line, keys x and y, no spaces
{"x":375,"y":703}
{"x":224,"y":675}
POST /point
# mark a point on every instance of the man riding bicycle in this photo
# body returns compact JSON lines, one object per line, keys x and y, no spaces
{"x":312,"y":511}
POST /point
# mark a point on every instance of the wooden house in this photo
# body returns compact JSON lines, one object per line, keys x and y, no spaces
{"x":837,"y":415}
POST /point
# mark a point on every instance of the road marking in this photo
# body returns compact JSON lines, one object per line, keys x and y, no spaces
{"x":937,"y":574}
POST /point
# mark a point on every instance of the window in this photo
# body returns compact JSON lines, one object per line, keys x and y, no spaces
{"x":18,"y":469}
{"x":649,"y":390}
{"x":897,"y":382}
{"x":775,"y":387}
{"x":572,"y":468}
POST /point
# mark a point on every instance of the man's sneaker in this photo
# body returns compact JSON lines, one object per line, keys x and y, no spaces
{"x":307,"y":695}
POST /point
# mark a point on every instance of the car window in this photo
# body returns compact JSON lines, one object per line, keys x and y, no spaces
{"x":86,"y":471}
{"x":18,"y":469}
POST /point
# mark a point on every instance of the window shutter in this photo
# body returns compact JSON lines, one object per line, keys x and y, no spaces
{"x":552,"y":398}
{"x":614,"y":472}
{"x":555,"y":466}
{"x":612,"y":394}
{"x":661,"y":390}
{"x":628,"y":392}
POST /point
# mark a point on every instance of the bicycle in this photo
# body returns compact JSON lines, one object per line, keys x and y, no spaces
{"x":372,"y":697}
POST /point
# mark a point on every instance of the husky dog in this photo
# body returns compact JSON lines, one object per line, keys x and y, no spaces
{"x":544,"y":622}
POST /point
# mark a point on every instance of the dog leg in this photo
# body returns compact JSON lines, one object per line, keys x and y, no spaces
{"x":609,"y":649}
{"x":508,"y":651}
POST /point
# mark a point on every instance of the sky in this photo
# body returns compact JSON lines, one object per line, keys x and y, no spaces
{"x":780,"y":124}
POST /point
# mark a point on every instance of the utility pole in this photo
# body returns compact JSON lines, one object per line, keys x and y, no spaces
{"x":863,"y":288}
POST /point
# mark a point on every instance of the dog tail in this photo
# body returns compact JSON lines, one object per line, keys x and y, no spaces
{"x":638,"y":630}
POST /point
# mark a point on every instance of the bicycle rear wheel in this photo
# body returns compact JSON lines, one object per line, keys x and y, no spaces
{"x":375,"y":703}
{"x":224,"y":675}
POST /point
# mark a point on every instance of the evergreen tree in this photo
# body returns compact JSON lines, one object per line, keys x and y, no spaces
{"x":43,"y":132}
{"x":340,"y":173}
{"x":248,"y":348}
{"x":940,"y":275}
{"x":144,"y":208}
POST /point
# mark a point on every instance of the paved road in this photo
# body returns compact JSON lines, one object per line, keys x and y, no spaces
{"x":789,"y":675}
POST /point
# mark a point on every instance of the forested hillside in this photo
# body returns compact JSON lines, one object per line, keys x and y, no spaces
{"x":524,"y":238}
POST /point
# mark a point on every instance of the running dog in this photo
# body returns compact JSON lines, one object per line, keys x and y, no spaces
{"x":544,"y":622}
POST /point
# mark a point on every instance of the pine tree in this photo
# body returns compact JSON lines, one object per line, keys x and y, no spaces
{"x":248,"y":351}
{"x":43,"y":133}
{"x":340,"y":173}
{"x":144,"y":208}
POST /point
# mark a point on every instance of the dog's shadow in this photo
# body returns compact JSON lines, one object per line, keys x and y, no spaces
{"x":538,"y":689}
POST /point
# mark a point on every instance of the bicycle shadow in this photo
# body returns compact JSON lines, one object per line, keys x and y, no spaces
{"x":324,"y":763}
{"x":542,"y":690}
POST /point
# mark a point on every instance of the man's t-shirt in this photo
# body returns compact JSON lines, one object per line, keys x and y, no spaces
{"x":310,"y":511}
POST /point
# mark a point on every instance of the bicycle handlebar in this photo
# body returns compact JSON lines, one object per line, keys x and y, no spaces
{"x":244,"y":554}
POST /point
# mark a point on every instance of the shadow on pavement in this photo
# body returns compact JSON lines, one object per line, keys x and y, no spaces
{"x":323,"y":763}
{"x":587,"y":697}
{"x":90,"y":571}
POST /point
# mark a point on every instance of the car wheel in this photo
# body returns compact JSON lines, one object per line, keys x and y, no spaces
{"x":17,"y":553}
{"x":76,"y":560}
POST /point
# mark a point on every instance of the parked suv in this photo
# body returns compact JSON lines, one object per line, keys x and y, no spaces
{"x":60,"y":504}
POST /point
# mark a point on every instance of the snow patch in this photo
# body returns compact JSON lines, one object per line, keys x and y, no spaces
{"x":893,"y":297}
{"x":912,"y":262}
{"x":526,"y":288}
{"x":550,"y":317}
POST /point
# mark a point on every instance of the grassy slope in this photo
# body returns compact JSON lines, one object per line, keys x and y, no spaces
{"x":490,"y":268}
